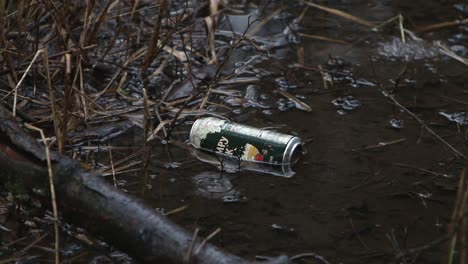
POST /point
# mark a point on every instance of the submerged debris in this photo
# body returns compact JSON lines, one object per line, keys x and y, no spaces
{"x":284,"y":83}
{"x":237,"y":198}
{"x":346,"y":104}
{"x":461,"y":118}
{"x":297,"y":102}
{"x":282,"y":227}
{"x":396,"y":123}
{"x":408,"y":51}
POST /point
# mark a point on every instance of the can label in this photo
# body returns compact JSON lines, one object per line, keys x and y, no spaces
{"x":243,"y":142}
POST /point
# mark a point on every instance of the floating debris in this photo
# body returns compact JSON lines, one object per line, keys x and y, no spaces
{"x":297,"y":103}
{"x":337,"y":63}
{"x":396,"y":123}
{"x":234,"y":199}
{"x":408,"y":51}
{"x":359,"y":82}
{"x":237,"y":147}
{"x":233,"y":101}
{"x":270,"y":43}
{"x":101,"y":133}
{"x":463,"y":7}
{"x":246,"y":67}
{"x":252,"y":97}
{"x":460,"y":50}
{"x":171,"y":165}
{"x":284,"y":104}
{"x":252,"y":93}
{"x":282,"y":227}
{"x":346,"y":104}
{"x":237,"y":111}
{"x":461,"y":118}
{"x":426,"y":195}
{"x":458,"y":38}
{"x":284,"y":83}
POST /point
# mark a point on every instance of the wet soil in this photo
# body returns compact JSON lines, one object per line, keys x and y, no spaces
{"x":373,"y":183}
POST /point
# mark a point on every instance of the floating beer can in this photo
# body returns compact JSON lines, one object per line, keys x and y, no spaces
{"x":240,"y":147}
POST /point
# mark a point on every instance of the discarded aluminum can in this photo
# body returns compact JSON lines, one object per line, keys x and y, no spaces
{"x":237,"y":147}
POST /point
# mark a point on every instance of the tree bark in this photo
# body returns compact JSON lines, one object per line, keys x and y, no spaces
{"x":88,"y":200}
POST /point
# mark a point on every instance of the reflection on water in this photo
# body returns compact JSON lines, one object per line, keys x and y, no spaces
{"x":215,"y":185}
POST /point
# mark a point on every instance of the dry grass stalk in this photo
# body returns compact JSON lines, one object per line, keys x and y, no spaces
{"x":423,"y":124}
{"x":177,"y":210}
{"x":153,"y":49}
{"x":300,"y":55}
{"x":86,"y":24}
{"x":205,"y":98}
{"x":447,"y":51}
{"x":399,"y":19}
{"x":136,"y":3}
{"x":301,"y":105}
{"x":441,"y":25}
{"x":210,"y":25}
{"x":402,"y":29}
{"x":52,"y":192}
{"x":112,"y":166}
{"x":342,"y":14}
{"x":458,"y":225}
{"x":323,"y":74}
{"x":258,"y":24}
{"x":210,"y":236}
{"x":55,"y":115}
{"x":66,"y":104}
{"x":189,"y":254}
{"x":15,"y":100}
{"x":146,"y":145}
{"x":327,"y":39}
{"x":90,"y":33}
{"x":82,"y":94}
{"x":162,"y":125}
{"x":136,"y":55}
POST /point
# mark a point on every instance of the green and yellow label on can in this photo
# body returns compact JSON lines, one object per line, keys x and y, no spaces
{"x":256,"y":149}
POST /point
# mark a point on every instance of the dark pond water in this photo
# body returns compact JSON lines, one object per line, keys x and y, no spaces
{"x":374,"y":182}
{"x":352,"y":200}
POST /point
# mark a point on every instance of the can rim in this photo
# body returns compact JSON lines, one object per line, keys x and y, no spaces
{"x":292,"y":146}
{"x":191,"y":131}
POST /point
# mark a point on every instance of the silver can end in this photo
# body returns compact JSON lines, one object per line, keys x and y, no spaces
{"x":291,"y":156}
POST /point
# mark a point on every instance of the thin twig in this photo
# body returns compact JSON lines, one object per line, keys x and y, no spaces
{"x":442,"y":25}
{"x":22,"y":79}
{"x":189,"y":254}
{"x":420,"y":121}
{"x":381,"y":144}
{"x":146,"y":145}
{"x":341,"y":14}
{"x":206,"y":240}
{"x":327,"y":39}
{"x":309,"y":255}
{"x":112,"y":165}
